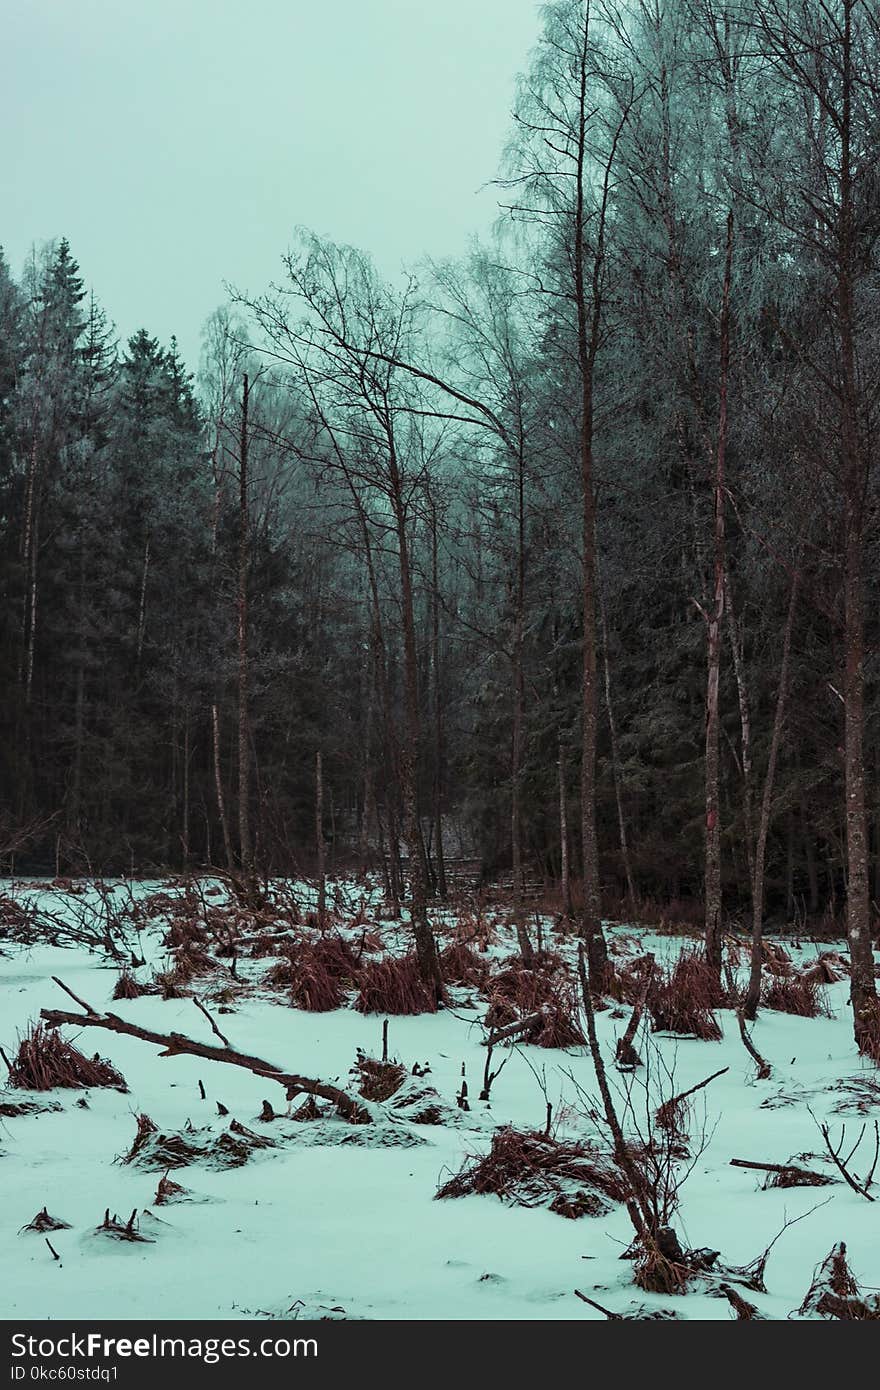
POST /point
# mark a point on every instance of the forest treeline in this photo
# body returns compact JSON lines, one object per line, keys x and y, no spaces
{"x":561,"y":556}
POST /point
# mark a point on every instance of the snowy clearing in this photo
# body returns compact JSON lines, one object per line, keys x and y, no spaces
{"x":338,"y":1220}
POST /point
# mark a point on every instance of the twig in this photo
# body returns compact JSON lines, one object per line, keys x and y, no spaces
{"x":75,"y":997}
{"x":666,"y":1112}
{"x":615,"y":1317}
{"x":840,"y":1164}
{"x":200,"y":1006}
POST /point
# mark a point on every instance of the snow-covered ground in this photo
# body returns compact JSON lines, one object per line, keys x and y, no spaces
{"x":316,"y":1229}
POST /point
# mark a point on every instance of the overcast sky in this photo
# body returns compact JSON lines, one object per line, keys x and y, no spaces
{"x":177,"y":143}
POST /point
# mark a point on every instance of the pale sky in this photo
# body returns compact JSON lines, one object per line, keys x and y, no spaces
{"x":177,"y":143}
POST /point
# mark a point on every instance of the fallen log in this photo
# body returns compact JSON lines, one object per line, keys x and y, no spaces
{"x":175,"y":1044}
{"x":793,"y":1175}
{"x":511,"y":1030}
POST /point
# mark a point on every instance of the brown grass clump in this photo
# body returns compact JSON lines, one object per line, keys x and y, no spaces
{"x":151,"y":1149}
{"x":462,"y":966}
{"x":46,"y":1060}
{"x":793,"y":994}
{"x":313,"y":987}
{"x":828,"y":969}
{"x":13,"y":915}
{"x":336,"y":957}
{"x":282,"y":973}
{"x":656,"y":1273}
{"x":558,"y":1026}
{"x":378,"y":1080}
{"x":393,"y":987}
{"x":43,"y":1222}
{"x":681,"y":999}
{"x":370,"y":942}
{"x":183,"y":933}
{"x":127,"y":987}
{"x":777,"y":961}
{"x":169,"y":1191}
{"x":530,"y":1169}
{"x":316,"y":973}
{"x":515,"y":992}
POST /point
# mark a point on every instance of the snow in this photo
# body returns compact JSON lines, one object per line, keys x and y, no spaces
{"x":312,"y":1229}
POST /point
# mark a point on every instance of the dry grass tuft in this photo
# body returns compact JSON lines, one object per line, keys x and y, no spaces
{"x":45,"y":1060}
{"x":682,"y":999}
{"x":393,"y":987}
{"x":530,"y":1169}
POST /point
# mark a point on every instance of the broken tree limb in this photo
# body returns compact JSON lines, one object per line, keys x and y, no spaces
{"x":175,"y":1044}
{"x":745,"y":1311}
{"x":606,"y":1312}
{"x":215,"y":1030}
{"x":75,"y":997}
{"x":667,"y":1113}
{"x":511,"y":1030}
{"x":842,"y":1164}
{"x":797,"y":1177}
{"x":626,"y":1055}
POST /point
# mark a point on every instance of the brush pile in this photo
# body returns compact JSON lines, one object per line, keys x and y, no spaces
{"x":231,"y":1148}
{"x":543,"y":992}
{"x":835,"y":1293}
{"x":530,"y":1169}
{"x":378,"y":1080}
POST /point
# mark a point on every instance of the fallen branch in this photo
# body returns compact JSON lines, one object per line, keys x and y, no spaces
{"x":216,"y":1031}
{"x":75,"y":997}
{"x":615,"y":1317}
{"x":745,"y":1312}
{"x":511,"y":1030}
{"x":175,"y":1044}
{"x":842,"y":1164}
{"x":668,"y":1112}
{"x":795,"y":1176}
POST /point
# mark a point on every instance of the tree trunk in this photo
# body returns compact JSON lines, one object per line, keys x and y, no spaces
{"x":516,"y":754}
{"x":615,"y":769}
{"x":426,"y":948}
{"x":589,"y":318}
{"x":565,"y":867}
{"x":246,"y":853}
{"x":218,"y":787}
{"x":438,"y":713}
{"x":863,"y":995}
{"x":753,"y":994}
{"x":716,"y":615}
{"x":319,"y":840}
